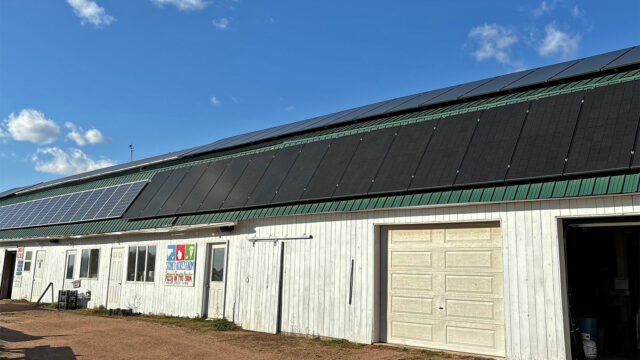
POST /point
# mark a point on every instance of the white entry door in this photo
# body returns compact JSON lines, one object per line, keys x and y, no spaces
{"x":445,"y":288}
{"x":215,"y":281}
{"x":115,"y":278}
{"x":38,"y":270}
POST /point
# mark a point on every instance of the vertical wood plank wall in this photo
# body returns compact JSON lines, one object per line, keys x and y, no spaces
{"x":316,"y":278}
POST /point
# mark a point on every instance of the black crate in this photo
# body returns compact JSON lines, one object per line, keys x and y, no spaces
{"x":67,"y":299}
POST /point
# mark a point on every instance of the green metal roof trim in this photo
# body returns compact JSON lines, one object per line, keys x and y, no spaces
{"x":349,"y":129}
{"x":592,"y":186}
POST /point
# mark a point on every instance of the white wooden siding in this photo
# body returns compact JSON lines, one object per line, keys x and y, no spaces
{"x":317,"y":271}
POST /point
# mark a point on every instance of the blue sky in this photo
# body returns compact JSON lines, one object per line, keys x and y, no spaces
{"x":80,"y":80}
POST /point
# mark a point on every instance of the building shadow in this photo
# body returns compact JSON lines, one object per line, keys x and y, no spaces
{"x":10,"y":335}
{"x":44,"y":352}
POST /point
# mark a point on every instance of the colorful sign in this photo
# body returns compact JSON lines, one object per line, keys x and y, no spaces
{"x":19,"y":268}
{"x":181,"y":265}
{"x":20,"y":254}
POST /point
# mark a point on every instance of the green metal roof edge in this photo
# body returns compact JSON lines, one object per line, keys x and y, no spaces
{"x":349,"y":129}
{"x":553,"y":189}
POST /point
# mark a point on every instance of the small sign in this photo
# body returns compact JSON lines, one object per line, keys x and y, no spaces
{"x":180,"y":265}
{"x":76,"y":284}
{"x":20,"y":254}
{"x":19,"y":265}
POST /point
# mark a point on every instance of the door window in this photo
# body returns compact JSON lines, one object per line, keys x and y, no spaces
{"x":217,"y":265}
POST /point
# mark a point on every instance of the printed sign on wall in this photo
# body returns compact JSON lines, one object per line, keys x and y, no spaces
{"x":19,"y":268}
{"x":181,"y":265}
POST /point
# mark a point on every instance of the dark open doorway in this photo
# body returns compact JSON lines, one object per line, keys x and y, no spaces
{"x":603,"y":284}
{"x":7,"y":274}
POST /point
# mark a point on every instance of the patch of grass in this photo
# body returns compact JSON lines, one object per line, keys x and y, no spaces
{"x":340,"y":343}
{"x":99,"y":311}
{"x":48,"y":306}
{"x":199,"y":323}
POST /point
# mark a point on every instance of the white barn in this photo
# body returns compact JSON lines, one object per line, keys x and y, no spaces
{"x":485,"y":218}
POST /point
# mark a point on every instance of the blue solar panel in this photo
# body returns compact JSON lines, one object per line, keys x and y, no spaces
{"x":103,"y":203}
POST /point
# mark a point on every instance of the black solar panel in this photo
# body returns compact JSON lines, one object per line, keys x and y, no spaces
{"x":403,"y":157}
{"x":606,"y":130}
{"x":147,"y":195}
{"x":498,"y":83}
{"x":253,"y":173}
{"x":446,"y":149}
{"x":225,"y":183}
{"x":333,"y":165}
{"x":492,"y":145}
{"x":590,"y":64}
{"x":202,"y":188}
{"x":631,"y":57}
{"x":301,"y":172}
{"x":164,"y":192}
{"x":546,"y":136}
{"x":69,"y":208}
{"x":541,"y":74}
{"x":278,"y":169}
{"x":362,"y":169}
{"x":188,"y":182}
{"x":421,"y":99}
{"x":459,"y":91}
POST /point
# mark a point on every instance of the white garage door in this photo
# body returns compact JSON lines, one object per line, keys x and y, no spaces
{"x":445,"y":288}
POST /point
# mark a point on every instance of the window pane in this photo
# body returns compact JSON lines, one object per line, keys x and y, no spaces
{"x":95,"y":261}
{"x":131,"y":264}
{"x":217,"y":268}
{"x":151,"y":262}
{"x":71,"y":262}
{"x":142,"y":252}
{"x":27,"y":256}
{"x":84,"y":263}
{"x":27,"y":266}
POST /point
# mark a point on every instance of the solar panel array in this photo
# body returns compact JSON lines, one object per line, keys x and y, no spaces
{"x":582,"y":132}
{"x":103,"y":203}
{"x":555,"y":72}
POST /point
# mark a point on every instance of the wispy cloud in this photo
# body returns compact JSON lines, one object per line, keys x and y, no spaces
{"x":82,"y":137}
{"x":235,"y":99}
{"x":289,"y":108}
{"x":53,"y":160}
{"x":577,"y":11}
{"x":544,"y":8}
{"x":558,"y":44}
{"x":30,"y":125}
{"x":221,"y":24}
{"x":492,"y":41}
{"x":214,"y":100}
{"x":90,"y":12}
{"x":183,"y":5}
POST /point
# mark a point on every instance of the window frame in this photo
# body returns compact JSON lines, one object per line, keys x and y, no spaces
{"x":145,"y":271}
{"x":73,"y":264}
{"x":88,"y":277}
{"x":25,"y":261}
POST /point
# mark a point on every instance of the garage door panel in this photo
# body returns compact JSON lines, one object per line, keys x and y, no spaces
{"x":473,"y":260}
{"x":476,"y":285}
{"x":482,"y":310}
{"x":411,"y":282}
{"x":445,"y":288}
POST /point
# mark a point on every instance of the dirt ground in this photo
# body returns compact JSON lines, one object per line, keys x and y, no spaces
{"x":33,"y":333}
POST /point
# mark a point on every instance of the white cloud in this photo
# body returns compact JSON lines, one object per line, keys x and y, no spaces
{"x":545,"y":7}
{"x":221,"y":24}
{"x":493,"y":41}
{"x":289,"y":108}
{"x":54,"y":160}
{"x":30,"y":125}
{"x":89,"y":12}
{"x":215,"y":100}
{"x":558,"y":44}
{"x":576,"y":11}
{"x":183,"y":5}
{"x":82,"y":138}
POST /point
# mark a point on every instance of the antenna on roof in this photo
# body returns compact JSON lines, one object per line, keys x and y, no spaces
{"x":131,"y":150}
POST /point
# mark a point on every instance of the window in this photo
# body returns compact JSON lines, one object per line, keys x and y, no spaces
{"x":141,"y":263}
{"x":217,"y":265}
{"x":71,"y":262}
{"x":27,"y":261}
{"x":89,"y":261}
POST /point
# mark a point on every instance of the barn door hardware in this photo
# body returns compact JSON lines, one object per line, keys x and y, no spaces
{"x":276,"y":238}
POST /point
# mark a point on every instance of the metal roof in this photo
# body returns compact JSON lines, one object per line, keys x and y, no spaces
{"x":509,"y":82}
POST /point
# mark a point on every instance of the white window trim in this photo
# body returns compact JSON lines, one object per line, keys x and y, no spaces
{"x":89,"y":265}
{"x":135,"y":266}
{"x":25,"y":261}
{"x":66,"y":265}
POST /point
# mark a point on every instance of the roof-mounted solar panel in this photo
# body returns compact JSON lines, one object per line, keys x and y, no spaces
{"x":629,"y":58}
{"x":590,"y":64}
{"x":98,"y":204}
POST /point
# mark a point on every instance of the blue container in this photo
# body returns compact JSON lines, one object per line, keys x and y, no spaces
{"x":589,"y":326}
